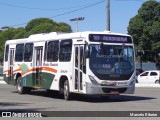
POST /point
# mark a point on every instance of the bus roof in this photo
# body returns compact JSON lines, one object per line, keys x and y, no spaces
{"x":57,"y":36}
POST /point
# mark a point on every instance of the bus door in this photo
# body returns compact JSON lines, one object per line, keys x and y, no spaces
{"x":11,"y":64}
{"x":79,"y":68}
{"x":38,"y":65}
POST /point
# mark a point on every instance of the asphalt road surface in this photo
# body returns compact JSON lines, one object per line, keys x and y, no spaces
{"x":144,"y":99}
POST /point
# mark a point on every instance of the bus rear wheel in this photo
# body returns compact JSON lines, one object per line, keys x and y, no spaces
{"x":20,"y":88}
{"x":67,"y":94}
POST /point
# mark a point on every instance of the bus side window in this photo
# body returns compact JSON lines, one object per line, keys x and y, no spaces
{"x":19,"y":53}
{"x":28,"y":52}
{"x":52,"y":51}
{"x":6,"y":53}
{"x":65,"y":50}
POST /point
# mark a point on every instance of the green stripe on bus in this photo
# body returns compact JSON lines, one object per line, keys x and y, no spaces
{"x":45,"y":82}
{"x":30,"y":81}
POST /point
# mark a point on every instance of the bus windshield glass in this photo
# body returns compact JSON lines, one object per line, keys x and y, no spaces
{"x":111,"y":62}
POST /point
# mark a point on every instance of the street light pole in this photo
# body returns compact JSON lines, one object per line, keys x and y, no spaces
{"x":108,"y":14}
{"x":77,"y":20}
{"x":76,"y":25}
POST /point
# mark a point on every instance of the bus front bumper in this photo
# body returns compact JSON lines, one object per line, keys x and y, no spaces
{"x":109,"y":90}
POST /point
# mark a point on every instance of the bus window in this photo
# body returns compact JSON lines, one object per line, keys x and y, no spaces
{"x":6,"y":53}
{"x":28,"y":52}
{"x":52,"y":51}
{"x":65,"y":50}
{"x":19,"y":52}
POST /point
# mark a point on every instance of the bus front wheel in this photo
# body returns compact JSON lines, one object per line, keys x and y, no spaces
{"x":157,"y":81}
{"x":67,"y":94}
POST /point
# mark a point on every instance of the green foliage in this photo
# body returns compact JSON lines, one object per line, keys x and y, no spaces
{"x":19,"y":33}
{"x":145,"y":29}
{"x":45,"y":25}
{"x":42,"y":28}
{"x":35,"y":26}
{"x":64,"y":27}
{"x":39,"y":21}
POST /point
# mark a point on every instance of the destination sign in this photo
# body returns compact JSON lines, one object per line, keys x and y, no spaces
{"x":109,"y":38}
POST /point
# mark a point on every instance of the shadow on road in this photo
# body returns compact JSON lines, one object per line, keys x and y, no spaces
{"x":3,"y":104}
{"x":92,"y":98}
{"x":120,"y":98}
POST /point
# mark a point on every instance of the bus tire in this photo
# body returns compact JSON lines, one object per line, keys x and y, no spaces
{"x":20,"y":88}
{"x":157,"y":82}
{"x":67,"y":94}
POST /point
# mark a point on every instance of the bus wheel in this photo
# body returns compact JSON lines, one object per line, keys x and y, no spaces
{"x":67,"y":94}
{"x":157,"y":82}
{"x":20,"y":88}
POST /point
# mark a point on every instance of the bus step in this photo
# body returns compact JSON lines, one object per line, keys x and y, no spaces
{"x":37,"y":87}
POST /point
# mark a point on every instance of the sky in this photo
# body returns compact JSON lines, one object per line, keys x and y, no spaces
{"x":17,"y":13}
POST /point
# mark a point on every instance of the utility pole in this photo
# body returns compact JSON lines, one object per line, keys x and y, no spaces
{"x":108,"y":14}
{"x":77,"y":20}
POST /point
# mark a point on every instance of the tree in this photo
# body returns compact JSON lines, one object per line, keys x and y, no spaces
{"x":145,"y":30}
{"x":45,"y":25}
{"x":39,"y":21}
{"x":20,"y":33}
{"x":42,"y":28}
{"x":5,"y":35}
{"x":64,"y":27}
{"x":35,"y":26}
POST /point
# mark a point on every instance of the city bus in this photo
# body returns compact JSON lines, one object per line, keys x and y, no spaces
{"x":91,"y":63}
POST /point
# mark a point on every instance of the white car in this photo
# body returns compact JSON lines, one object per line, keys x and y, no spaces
{"x":149,"y":77}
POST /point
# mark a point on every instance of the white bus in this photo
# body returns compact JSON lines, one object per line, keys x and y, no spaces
{"x":100,"y":63}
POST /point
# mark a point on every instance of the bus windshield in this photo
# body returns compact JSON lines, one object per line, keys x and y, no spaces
{"x":111,"y":62}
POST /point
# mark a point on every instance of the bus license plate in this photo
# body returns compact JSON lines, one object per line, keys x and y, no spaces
{"x":114,"y":92}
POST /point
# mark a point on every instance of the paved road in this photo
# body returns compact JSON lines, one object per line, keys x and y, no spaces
{"x":144,"y":99}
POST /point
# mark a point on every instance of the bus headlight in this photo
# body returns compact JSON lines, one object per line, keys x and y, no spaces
{"x":93,"y":80}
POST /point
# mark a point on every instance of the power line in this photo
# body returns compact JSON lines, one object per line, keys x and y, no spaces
{"x":97,"y":3}
{"x":44,"y":9}
{"x":91,"y":5}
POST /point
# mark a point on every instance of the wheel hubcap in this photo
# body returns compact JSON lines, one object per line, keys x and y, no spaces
{"x":65,"y":90}
{"x":19,"y":87}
